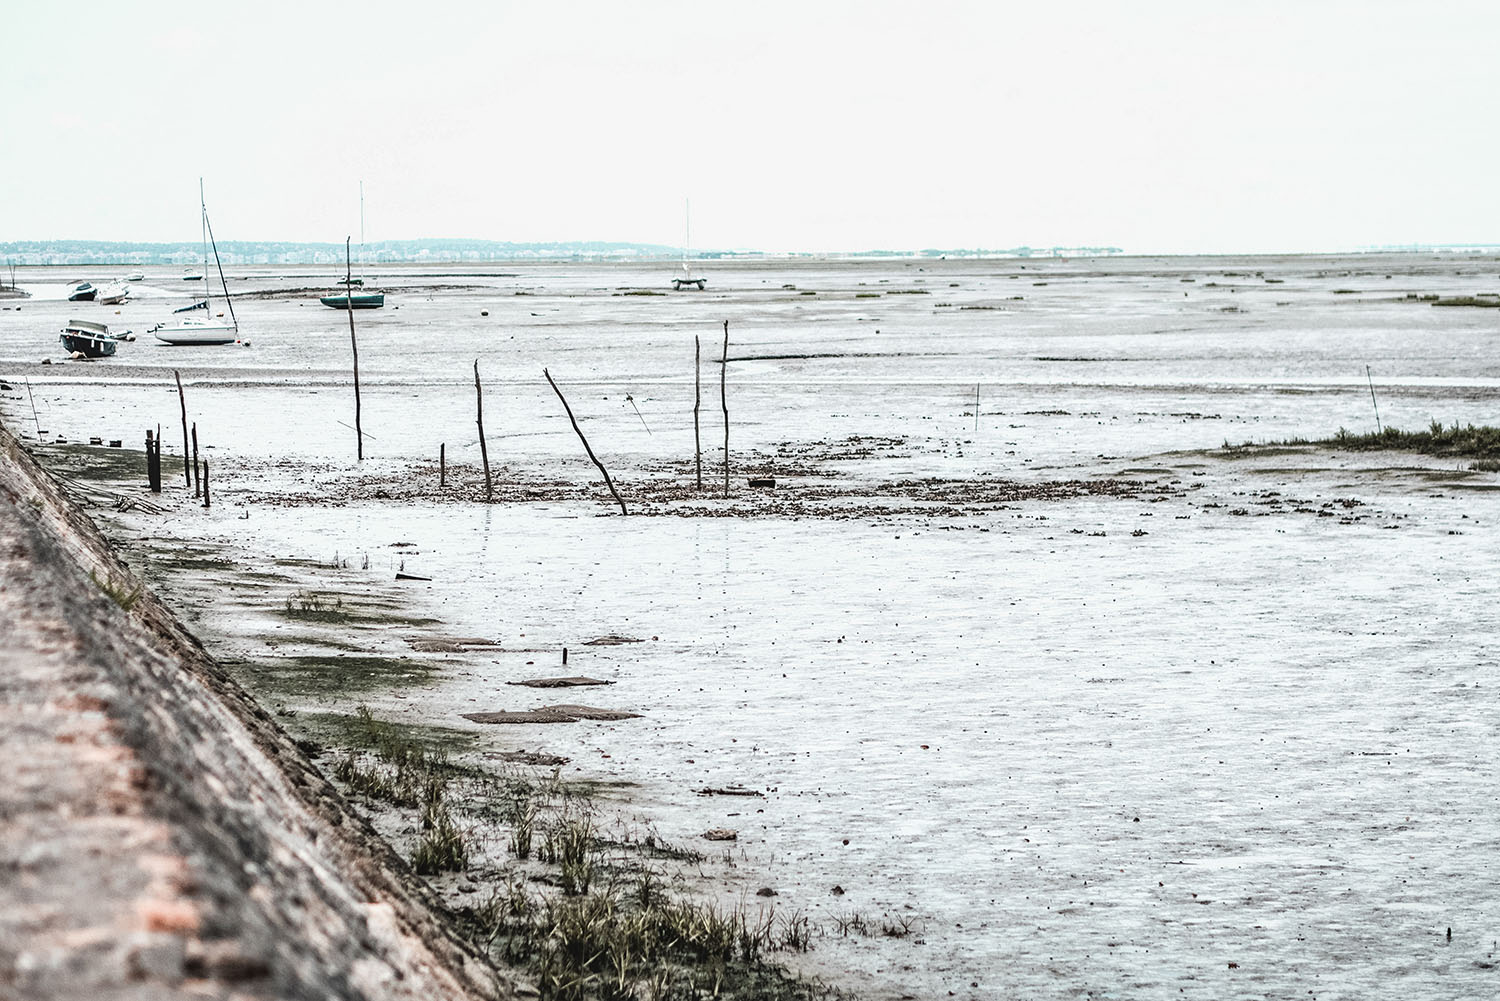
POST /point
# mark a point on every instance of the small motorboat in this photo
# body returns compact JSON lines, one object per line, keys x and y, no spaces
{"x":192,"y":275}
{"x":114,"y":293}
{"x":82,"y":292}
{"x":89,"y":339}
{"x":135,"y":276}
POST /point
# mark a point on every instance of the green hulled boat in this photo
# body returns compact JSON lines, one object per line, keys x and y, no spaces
{"x":355,"y":300}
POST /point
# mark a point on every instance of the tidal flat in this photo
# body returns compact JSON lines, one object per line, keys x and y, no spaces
{"x":1037,"y":689}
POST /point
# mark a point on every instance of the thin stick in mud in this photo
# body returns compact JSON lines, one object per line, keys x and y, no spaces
{"x":442,"y":465}
{"x":607,"y":481}
{"x":484,"y":452}
{"x":197,"y":481}
{"x":724,"y":402}
{"x":1371,"y":381}
{"x":697,"y":405}
{"x":359,"y":436}
{"x":186,"y":472}
{"x":205,"y":484}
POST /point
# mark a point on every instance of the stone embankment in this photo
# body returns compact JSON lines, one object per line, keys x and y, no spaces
{"x":160,"y":836}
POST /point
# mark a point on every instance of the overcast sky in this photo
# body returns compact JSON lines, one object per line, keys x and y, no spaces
{"x":1151,"y":126}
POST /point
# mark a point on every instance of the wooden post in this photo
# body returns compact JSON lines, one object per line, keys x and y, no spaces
{"x":197,"y":481}
{"x":205,"y":483}
{"x":359,"y":435}
{"x":186,"y":472}
{"x":153,"y":463}
{"x":607,"y":481}
{"x":484,"y":452}
{"x":442,"y":465}
{"x":697,"y":402}
{"x":724,"y":401}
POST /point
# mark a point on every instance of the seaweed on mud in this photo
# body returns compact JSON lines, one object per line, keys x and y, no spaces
{"x":336,"y":675}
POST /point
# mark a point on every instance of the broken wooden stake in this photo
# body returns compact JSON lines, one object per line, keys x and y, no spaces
{"x":484,"y":452}
{"x":186,"y":472}
{"x":607,"y":481}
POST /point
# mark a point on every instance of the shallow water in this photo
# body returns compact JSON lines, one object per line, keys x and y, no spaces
{"x":1078,"y":764}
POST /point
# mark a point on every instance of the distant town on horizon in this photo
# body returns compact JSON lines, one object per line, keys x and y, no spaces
{"x":446,"y":251}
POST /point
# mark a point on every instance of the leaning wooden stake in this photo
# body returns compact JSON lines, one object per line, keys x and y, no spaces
{"x":186,"y":472}
{"x":442,"y":465}
{"x":197,"y":482}
{"x":697,"y":402}
{"x":607,"y":481}
{"x":724,"y":402}
{"x":1370,"y":379}
{"x":205,"y":483}
{"x":359,"y":436}
{"x":484,"y":452}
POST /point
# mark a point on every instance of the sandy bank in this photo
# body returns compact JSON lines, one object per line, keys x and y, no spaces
{"x":160,"y":836}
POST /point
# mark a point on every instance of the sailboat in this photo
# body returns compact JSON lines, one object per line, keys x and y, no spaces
{"x":686,"y":275}
{"x":203,"y":330}
{"x":350,"y":299}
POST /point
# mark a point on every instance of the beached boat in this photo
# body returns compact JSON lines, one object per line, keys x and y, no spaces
{"x":135,"y":276}
{"x":685,"y":275}
{"x":350,"y":299}
{"x":354,"y":300}
{"x":199,"y":330}
{"x":114,"y":293}
{"x":200,"y":304}
{"x":193,"y":274}
{"x":92,"y":340}
{"x":82,"y":292}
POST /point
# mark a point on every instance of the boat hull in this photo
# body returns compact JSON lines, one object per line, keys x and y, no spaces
{"x":359,"y":300}
{"x":199,"y":334}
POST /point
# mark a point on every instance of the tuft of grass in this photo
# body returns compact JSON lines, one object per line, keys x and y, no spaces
{"x":120,"y":592}
{"x":315,"y":608}
{"x":1482,"y":442}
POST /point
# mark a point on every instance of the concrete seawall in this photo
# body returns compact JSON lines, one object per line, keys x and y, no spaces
{"x":160,"y":836}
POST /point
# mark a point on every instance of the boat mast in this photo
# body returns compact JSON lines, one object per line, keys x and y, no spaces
{"x":687,"y":231}
{"x":361,"y":236}
{"x":203,"y":224}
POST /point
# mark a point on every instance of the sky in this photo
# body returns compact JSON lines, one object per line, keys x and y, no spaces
{"x":815,"y":126}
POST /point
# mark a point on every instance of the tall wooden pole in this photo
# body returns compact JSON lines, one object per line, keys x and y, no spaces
{"x":724,"y":402}
{"x":197,"y":483}
{"x":186,"y":472}
{"x":484,"y":452}
{"x":697,"y":403}
{"x":579,"y":431}
{"x":359,"y":435}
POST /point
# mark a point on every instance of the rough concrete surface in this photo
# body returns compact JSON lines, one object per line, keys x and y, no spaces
{"x":160,"y":836}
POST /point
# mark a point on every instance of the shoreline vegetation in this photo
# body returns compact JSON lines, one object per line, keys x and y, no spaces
{"x":1480,"y":443}
{"x":533,"y":879}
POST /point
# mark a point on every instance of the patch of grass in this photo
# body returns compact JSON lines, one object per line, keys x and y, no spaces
{"x":120,"y":592}
{"x":1461,"y":440}
{"x":332,"y":675}
{"x":1486,"y":466}
{"x":308,"y":607}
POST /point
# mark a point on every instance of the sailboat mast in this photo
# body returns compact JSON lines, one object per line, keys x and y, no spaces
{"x":687,"y":228}
{"x":361,"y":233}
{"x":203,"y":224}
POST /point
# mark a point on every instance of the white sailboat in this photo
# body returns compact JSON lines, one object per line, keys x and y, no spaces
{"x":203,"y":330}
{"x":686,"y":275}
